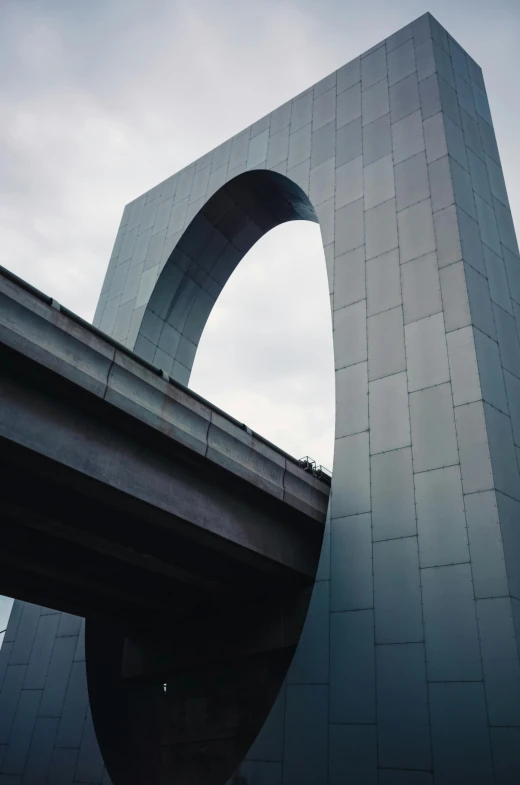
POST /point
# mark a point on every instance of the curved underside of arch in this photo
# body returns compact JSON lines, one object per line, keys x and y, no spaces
{"x":207,"y":253}
{"x":198,"y":729}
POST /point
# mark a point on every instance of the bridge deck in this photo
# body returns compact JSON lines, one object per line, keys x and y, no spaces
{"x":124,"y":490}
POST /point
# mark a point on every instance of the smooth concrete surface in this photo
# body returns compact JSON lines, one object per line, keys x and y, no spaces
{"x":37,"y":331}
{"x":408,"y":666}
{"x":85,"y":418}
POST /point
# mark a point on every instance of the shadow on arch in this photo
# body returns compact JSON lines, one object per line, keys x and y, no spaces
{"x":208,"y":251}
{"x":200,"y":726}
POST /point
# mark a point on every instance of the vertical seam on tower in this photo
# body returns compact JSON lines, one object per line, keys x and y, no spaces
{"x":410,"y":424}
{"x":369,"y":427}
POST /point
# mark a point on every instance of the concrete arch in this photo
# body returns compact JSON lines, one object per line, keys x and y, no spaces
{"x":409,"y":241}
{"x":396,"y":677}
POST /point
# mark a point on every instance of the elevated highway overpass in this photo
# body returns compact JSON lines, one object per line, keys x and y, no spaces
{"x":188,"y":542}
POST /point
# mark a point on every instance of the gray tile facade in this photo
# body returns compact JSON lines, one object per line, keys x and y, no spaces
{"x":408,"y":667}
{"x":44,"y":715}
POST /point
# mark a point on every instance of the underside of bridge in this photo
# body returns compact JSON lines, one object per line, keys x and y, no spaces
{"x":189,"y":544}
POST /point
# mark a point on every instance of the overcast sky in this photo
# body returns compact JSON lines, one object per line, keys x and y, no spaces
{"x":100,"y":100}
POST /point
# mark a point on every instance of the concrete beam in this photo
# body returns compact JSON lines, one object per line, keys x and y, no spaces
{"x":89,"y":423}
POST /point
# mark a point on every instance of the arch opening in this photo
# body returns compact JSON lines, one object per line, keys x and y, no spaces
{"x":266,"y":353}
{"x":200,"y":728}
